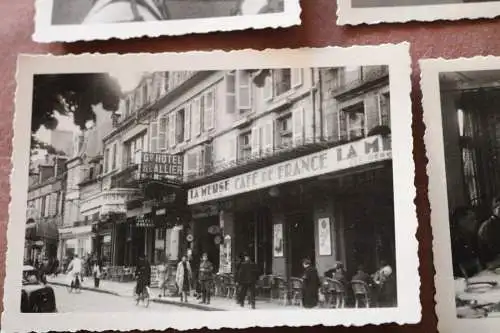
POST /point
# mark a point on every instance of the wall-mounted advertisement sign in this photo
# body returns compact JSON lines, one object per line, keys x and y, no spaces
{"x":144,"y":221}
{"x":161,"y":166}
{"x":324,"y":236}
{"x":350,"y":155}
{"x":278,"y":244}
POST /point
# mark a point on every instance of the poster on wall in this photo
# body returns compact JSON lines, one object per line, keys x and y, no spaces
{"x":324,"y":236}
{"x":278,"y":240}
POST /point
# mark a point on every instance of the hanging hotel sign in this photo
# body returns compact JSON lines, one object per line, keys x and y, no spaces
{"x":161,"y":166}
{"x":350,"y":155}
{"x":144,"y":221}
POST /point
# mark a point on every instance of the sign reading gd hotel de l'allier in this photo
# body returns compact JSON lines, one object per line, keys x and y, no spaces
{"x":361,"y":152}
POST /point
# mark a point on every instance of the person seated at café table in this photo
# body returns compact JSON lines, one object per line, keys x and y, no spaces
{"x":385,"y":285}
{"x":337,"y":272}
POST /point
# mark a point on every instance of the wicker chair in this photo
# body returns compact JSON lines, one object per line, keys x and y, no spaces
{"x":281,"y":289}
{"x":265,"y":285}
{"x":296,"y":289}
{"x":361,"y":292}
{"x":220,"y":289}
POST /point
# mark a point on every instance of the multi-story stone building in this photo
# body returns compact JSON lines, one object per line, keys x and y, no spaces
{"x":44,"y":207}
{"x":281,"y":163}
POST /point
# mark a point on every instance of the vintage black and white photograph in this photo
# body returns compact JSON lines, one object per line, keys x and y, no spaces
{"x":354,"y":12}
{"x":462,"y":118}
{"x":266,"y":189}
{"x":72,"y":20}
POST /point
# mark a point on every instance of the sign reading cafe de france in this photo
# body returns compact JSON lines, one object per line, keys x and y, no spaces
{"x":358,"y":153}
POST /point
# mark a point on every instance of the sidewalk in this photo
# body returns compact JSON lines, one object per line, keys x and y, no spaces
{"x":126,"y":289}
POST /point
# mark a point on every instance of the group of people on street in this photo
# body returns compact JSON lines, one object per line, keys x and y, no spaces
{"x":199,"y":281}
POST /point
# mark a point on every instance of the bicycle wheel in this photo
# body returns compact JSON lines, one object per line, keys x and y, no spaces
{"x":145,"y":298}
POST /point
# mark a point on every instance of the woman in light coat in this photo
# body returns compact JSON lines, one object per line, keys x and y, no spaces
{"x":183,"y":278}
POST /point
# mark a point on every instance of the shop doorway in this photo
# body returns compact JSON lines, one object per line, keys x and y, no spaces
{"x":254,"y":237}
{"x":301,"y":240}
{"x":208,"y":240}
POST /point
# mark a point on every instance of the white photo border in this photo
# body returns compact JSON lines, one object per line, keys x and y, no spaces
{"x":438,"y":195}
{"x":408,"y":280}
{"x":46,"y":32}
{"x":348,"y":15}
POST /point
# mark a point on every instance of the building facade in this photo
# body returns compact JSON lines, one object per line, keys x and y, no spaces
{"x":282,"y":164}
{"x":44,"y":208}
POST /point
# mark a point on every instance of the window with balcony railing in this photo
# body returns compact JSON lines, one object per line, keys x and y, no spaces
{"x":245,"y":146}
{"x":282,"y":81}
{"x":284,"y":131}
{"x":355,"y":121}
{"x":131,"y":147}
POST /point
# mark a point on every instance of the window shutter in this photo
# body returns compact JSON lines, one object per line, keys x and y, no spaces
{"x":191,"y":162}
{"x":342,"y":132}
{"x":296,"y":77}
{"x":208,"y":121}
{"x":161,"y":133}
{"x":269,"y":137}
{"x":195,"y":114}
{"x":171,"y":129}
{"x":201,"y":105}
{"x":298,"y":126}
{"x":268,"y":87}
{"x":154,"y":136}
{"x":233,"y":148}
{"x":187,"y":122}
{"x":243,"y":97}
{"x":308,"y":126}
{"x":255,"y":141}
{"x":230,"y":82}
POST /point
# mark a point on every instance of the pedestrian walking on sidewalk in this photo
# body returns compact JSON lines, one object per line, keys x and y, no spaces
{"x":183,"y":278}
{"x":246,"y":277}
{"x":97,"y":274}
{"x":206,"y":278}
{"x":310,"y":285}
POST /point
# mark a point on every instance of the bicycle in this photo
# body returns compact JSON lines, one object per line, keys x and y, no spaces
{"x":75,"y":283}
{"x":143,"y":296}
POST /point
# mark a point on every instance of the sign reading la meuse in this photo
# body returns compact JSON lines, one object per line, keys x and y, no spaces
{"x":163,"y":165}
{"x":353,"y":154}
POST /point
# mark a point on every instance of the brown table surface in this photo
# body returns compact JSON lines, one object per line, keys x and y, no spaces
{"x":438,"y":39}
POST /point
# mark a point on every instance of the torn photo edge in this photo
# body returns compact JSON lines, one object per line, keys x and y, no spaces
{"x":446,"y":310}
{"x":46,"y":32}
{"x":349,"y":15}
{"x":397,"y":58}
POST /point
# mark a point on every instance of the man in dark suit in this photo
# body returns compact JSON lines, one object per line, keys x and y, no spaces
{"x":246,"y":277}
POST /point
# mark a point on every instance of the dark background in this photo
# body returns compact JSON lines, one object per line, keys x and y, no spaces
{"x":439,"y":39}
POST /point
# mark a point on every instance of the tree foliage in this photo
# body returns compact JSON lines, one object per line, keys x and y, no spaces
{"x":72,"y":94}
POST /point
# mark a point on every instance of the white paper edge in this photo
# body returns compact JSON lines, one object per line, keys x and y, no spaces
{"x":347,"y":15}
{"x":399,"y":61}
{"x":438,"y":196}
{"x":45,"y":32}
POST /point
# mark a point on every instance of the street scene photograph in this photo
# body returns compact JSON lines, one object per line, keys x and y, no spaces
{"x":267,"y":190}
{"x":203,"y":190}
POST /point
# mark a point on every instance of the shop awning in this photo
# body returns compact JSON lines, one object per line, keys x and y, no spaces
{"x":351,"y":155}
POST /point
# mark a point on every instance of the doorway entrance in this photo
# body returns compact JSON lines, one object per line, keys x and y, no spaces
{"x":301,"y":240}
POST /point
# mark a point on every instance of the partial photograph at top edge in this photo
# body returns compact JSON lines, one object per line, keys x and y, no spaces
{"x":77,"y":12}
{"x":394,"y":3}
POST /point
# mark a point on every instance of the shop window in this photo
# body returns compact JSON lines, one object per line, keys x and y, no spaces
{"x":385,"y":109}
{"x":285,"y":131}
{"x":244,"y":146}
{"x":179,"y":126}
{"x":355,"y":121}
